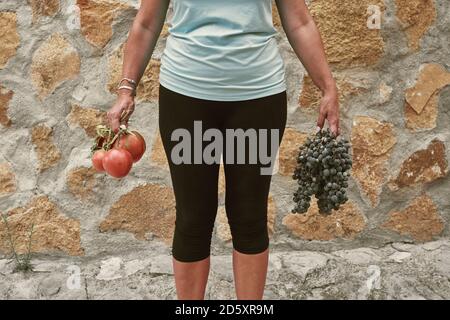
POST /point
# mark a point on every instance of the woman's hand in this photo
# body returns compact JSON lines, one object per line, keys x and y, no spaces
{"x":329,"y":109}
{"x":141,"y":41}
{"x":121,"y":111}
{"x":305,"y":39}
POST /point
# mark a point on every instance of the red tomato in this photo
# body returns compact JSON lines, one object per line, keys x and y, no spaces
{"x":117,"y":162}
{"x":133,"y":143}
{"x":97,"y":160}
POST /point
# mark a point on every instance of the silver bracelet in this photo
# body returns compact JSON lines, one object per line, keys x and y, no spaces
{"x":128,"y":80}
{"x":128,"y":88}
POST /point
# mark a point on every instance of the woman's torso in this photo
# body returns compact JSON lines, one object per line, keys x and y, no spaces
{"x":222,"y":50}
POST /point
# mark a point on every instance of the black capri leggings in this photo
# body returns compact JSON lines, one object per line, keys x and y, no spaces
{"x":196,"y":185}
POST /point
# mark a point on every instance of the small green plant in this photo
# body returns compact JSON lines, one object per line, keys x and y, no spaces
{"x":23,"y":262}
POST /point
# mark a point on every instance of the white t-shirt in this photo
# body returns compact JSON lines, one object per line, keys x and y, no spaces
{"x":222,"y":50}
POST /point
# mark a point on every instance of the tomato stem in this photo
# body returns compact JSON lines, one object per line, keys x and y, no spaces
{"x":109,"y":137}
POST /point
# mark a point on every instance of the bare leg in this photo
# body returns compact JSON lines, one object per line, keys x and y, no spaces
{"x":191,"y":278}
{"x":250,"y":271}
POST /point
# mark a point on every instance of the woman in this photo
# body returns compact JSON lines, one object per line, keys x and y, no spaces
{"x":221,"y":66}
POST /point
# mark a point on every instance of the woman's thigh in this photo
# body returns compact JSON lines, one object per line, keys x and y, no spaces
{"x":195,"y":185}
{"x":248,"y":184}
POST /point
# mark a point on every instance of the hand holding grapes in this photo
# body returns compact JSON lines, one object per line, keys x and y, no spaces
{"x":329,"y":109}
{"x":323,"y":165}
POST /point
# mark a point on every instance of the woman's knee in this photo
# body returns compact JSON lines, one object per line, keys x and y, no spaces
{"x":250,"y":240}
{"x":192,"y":240}
{"x":249,"y":229}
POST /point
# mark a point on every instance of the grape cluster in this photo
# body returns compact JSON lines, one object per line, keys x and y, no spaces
{"x":322,"y":169}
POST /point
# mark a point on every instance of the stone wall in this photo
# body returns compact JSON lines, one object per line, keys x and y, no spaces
{"x":60,"y":61}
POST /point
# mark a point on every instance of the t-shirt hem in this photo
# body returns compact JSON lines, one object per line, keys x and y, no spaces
{"x":229,"y":97}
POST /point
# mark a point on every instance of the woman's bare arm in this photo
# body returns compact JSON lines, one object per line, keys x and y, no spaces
{"x":142,"y":39}
{"x":305,"y":39}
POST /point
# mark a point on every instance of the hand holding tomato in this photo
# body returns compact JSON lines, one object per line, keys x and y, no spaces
{"x":121,"y":111}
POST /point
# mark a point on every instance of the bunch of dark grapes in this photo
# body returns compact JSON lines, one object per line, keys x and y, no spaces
{"x":323,"y":165}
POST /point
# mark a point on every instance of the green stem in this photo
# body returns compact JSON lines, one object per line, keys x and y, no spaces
{"x":11,"y":241}
{"x":28,"y":255}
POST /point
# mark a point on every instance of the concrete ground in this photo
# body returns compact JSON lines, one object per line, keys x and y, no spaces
{"x":395,"y":271}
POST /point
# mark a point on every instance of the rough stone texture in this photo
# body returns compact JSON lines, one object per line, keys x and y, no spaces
{"x":148,"y":86}
{"x":311,"y":95}
{"x":432,"y":78}
{"x":81,"y":182}
{"x":391,"y":272}
{"x":385,"y":92}
{"x":158,"y":155}
{"x":372,"y":141}
{"x":7,"y":178}
{"x":9,"y":38}
{"x":44,"y":8}
{"x":51,"y":230}
{"x":87,"y":118}
{"x":346,"y":223}
{"x":110,"y":269}
{"x":221,"y":181}
{"x":5,"y":98}
{"x":96,"y":18}
{"x":147,"y":208}
{"x":426,"y":119}
{"x":164,"y":31}
{"x":420,"y":220}
{"x":53,"y":62}
{"x":276,"y":16}
{"x":416,"y":17}
{"x":292,"y":140}
{"x":423,"y":166}
{"x":223,"y":228}
{"x":343,"y":26}
{"x":421,"y":106}
{"x":48,"y":153}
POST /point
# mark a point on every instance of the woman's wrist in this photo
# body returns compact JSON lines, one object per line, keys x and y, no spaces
{"x":127,"y":86}
{"x":329,"y":88}
{"x":125,"y":93}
